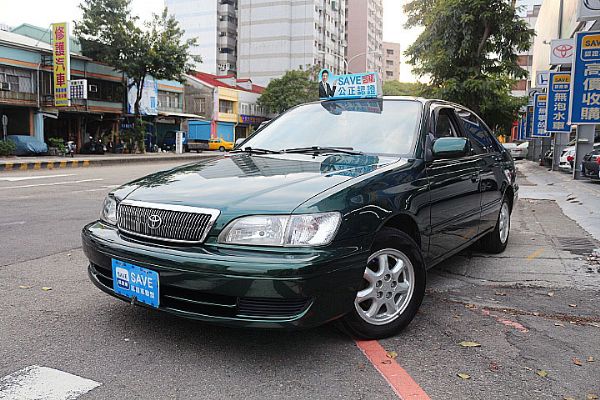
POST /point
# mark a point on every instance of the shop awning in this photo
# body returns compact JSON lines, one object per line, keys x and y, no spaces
{"x":178,"y":114}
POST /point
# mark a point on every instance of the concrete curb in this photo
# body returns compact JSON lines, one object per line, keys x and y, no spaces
{"x":81,"y":163}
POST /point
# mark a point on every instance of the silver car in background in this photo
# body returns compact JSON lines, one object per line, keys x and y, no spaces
{"x":517,"y":151}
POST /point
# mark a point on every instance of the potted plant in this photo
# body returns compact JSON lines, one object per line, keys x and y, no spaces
{"x":56,"y":147}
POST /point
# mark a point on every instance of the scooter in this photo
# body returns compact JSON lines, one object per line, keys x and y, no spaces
{"x":70,"y":148}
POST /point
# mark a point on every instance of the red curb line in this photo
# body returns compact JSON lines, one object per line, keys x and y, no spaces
{"x":400,"y":381}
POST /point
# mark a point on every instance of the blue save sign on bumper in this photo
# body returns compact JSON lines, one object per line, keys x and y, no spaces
{"x":135,"y":282}
{"x":585,"y":95}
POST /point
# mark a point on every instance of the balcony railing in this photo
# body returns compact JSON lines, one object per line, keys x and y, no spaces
{"x":18,"y":96}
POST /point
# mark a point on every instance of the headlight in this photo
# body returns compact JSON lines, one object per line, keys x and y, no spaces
{"x":109,"y":210}
{"x":282,"y":230}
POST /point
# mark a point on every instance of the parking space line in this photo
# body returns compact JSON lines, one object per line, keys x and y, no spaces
{"x":35,"y":382}
{"x":401,"y":382}
{"x":27,"y":178}
{"x":535,"y":254}
{"x":51,"y":184}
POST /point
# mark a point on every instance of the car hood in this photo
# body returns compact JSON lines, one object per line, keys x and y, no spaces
{"x":251,"y":183}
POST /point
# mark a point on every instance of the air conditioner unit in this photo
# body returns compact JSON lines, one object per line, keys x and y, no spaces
{"x":4,"y":86}
{"x":93,"y":88}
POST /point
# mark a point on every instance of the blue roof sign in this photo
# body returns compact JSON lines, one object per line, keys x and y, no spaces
{"x":349,"y":86}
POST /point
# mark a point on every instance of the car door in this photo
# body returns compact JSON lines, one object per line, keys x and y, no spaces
{"x":488,"y":153}
{"x":454,"y":191}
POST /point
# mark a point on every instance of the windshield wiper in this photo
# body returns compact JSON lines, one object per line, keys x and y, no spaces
{"x":256,"y":150}
{"x":322,"y":150}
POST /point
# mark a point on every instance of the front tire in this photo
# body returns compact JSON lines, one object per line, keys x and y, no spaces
{"x":221,"y":149}
{"x":495,"y":242}
{"x":392,"y":290}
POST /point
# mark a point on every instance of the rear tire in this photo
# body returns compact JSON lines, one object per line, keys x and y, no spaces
{"x":495,"y":242}
{"x":394,"y":281}
{"x":221,"y":149}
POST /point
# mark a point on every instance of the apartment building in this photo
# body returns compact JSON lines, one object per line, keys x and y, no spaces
{"x":364,"y":27}
{"x":530,"y":10}
{"x":391,"y":61}
{"x":275,"y":37}
{"x":214,"y":25}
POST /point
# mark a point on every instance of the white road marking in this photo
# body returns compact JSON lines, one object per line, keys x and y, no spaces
{"x":12,"y":223}
{"x":51,"y":184}
{"x":35,"y":382}
{"x":26,"y":178}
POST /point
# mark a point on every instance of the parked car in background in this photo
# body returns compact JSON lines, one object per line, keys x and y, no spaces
{"x":567,"y":159}
{"x":591,"y":163}
{"x":28,"y":145}
{"x":220,"y":144}
{"x":517,"y":151}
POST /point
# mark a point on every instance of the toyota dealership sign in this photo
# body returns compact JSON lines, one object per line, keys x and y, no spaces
{"x":561,"y":51}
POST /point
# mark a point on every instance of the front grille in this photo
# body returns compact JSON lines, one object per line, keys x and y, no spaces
{"x":165,"y":222}
{"x":270,"y":308}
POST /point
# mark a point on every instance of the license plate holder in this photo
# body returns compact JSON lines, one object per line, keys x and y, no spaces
{"x":136,"y":282}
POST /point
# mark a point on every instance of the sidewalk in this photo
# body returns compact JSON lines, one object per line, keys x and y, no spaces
{"x":578,"y":200}
{"x":80,"y":160}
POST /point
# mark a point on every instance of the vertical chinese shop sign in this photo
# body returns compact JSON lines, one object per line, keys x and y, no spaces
{"x":60,"y":64}
{"x":585,"y":75}
{"x":539,"y":116}
{"x":559,"y":92}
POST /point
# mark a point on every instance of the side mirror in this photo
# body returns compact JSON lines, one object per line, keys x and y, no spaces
{"x":450,"y":147}
{"x":239,"y":141}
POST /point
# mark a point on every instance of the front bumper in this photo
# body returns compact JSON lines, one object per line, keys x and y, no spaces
{"x":266,"y":288}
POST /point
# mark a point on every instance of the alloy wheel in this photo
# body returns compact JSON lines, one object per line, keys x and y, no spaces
{"x":504,"y":223}
{"x":389,"y":281}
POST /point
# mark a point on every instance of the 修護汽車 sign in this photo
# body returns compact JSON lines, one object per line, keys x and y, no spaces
{"x":539,"y":116}
{"x":60,"y":63}
{"x":349,"y":86}
{"x":585,"y":92}
{"x":557,"y":114}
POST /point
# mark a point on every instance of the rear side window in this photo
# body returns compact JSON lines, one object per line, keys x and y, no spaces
{"x":476,"y":131}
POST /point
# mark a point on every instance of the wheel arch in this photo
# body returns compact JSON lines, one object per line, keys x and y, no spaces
{"x":407,"y":224}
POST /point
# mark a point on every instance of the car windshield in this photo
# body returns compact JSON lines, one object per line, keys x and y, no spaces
{"x":368,"y":126}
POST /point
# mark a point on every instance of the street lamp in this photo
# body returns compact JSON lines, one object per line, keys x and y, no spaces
{"x":366,"y":53}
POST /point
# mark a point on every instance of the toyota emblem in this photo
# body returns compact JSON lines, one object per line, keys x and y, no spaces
{"x":563,"y":51}
{"x":154,"y":221}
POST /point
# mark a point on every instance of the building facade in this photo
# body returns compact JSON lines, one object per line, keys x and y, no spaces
{"x":391,"y":61}
{"x":275,"y":37}
{"x":228,"y":104}
{"x":28,"y":98}
{"x":530,"y":10}
{"x":364,"y":27}
{"x":214,"y":24}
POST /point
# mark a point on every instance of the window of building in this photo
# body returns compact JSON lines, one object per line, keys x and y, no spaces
{"x":389,"y":62}
{"x":389,"y":74}
{"x":226,"y":106}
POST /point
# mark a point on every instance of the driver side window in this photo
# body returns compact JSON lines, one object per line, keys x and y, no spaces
{"x":445,"y":125}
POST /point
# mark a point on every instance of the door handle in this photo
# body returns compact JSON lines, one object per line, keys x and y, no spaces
{"x":475,"y":177}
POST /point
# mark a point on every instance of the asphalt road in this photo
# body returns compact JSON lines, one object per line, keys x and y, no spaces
{"x":533,"y":310}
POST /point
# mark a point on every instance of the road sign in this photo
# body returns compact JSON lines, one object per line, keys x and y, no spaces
{"x":4,"y":125}
{"x":541,"y":78}
{"x":557,"y":112}
{"x":585,"y":90}
{"x":561,"y":51}
{"x":588,"y":10}
{"x":539,"y":116}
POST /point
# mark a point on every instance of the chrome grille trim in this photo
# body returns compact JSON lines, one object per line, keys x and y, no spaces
{"x":184,"y":224}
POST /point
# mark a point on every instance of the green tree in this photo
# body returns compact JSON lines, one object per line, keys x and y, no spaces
{"x":469,"y":50}
{"x":109,"y":33}
{"x":293,"y":88}
{"x":396,"y":88}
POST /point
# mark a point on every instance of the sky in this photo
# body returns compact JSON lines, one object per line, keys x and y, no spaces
{"x":44,"y":12}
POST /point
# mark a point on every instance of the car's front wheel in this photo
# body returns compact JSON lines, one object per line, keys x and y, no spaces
{"x":221,"y":149}
{"x":392,"y":289}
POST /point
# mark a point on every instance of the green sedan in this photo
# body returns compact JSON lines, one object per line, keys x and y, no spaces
{"x":332,"y":211}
